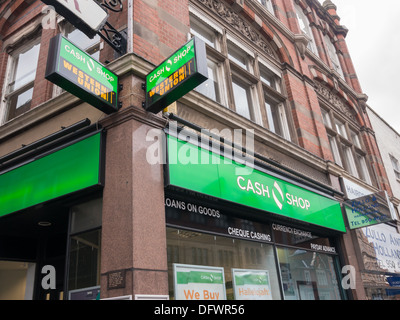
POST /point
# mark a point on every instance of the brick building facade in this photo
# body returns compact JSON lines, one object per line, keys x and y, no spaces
{"x":278,"y":68}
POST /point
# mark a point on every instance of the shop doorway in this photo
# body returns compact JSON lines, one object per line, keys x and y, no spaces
{"x":30,"y":242}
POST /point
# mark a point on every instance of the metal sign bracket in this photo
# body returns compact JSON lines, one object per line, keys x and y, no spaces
{"x":108,"y":33}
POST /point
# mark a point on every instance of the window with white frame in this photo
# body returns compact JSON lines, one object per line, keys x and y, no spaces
{"x":333,"y":56}
{"x":242,"y":98}
{"x":240,"y":78}
{"x":239,"y":56}
{"x":210,"y":88}
{"x":21,"y":74}
{"x":396,"y":166}
{"x":306,"y":28}
{"x":274,"y":102}
{"x":267,"y":4}
{"x":346,"y":146}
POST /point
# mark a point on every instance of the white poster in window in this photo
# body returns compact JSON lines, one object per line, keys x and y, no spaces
{"x":251,"y":284}
{"x":194,"y":282}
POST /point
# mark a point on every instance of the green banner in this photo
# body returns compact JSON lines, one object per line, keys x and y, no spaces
{"x":200,"y":170}
{"x":199,"y":277}
{"x":70,"y":169}
{"x":251,"y":278}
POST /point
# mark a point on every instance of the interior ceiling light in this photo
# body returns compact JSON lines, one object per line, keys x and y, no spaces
{"x":44,"y":223}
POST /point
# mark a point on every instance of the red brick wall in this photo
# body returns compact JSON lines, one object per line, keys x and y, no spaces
{"x":159,"y":31}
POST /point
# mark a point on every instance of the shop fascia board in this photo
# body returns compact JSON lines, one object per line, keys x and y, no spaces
{"x":232,"y":120}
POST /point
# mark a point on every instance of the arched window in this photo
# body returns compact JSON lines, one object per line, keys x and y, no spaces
{"x":333,"y":56}
{"x":305,"y":28}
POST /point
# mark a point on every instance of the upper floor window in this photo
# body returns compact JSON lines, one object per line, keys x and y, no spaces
{"x":396,"y":166}
{"x":346,"y":146}
{"x":305,"y":28}
{"x":333,"y":56}
{"x":241,"y":80}
{"x":91,"y":46}
{"x":267,"y":4}
{"x":20,"y":76}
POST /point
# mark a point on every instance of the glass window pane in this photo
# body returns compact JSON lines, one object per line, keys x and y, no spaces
{"x":242,"y":99}
{"x":195,"y":249}
{"x":335,"y":150}
{"x":19,"y":103}
{"x":349,"y":160}
{"x":333,"y":56}
{"x":308,"y":275}
{"x":84,"y":260}
{"x":326,"y":118}
{"x":81,"y":40}
{"x":25,"y":67}
{"x":267,"y":4}
{"x":24,"y":98}
{"x":198,"y":29}
{"x":305,"y":27}
{"x":237,"y":55}
{"x":274,"y":121}
{"x":364,"y":170}
{"x":210,"y":87}
{"x":340,"y":128}
{"x":396,"y":167}
{"x":355,"y":138}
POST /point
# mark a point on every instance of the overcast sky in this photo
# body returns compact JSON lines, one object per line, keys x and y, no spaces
{"x":374,"y":44}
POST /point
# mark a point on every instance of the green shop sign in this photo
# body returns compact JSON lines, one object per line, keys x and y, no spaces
{"x":203,"y":171}
{"x":177,"y":75}
{"x":73,"y":168}
{"x":78,"y":73}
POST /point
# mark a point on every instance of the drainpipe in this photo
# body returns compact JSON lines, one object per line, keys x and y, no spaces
{"x":130,"y":27}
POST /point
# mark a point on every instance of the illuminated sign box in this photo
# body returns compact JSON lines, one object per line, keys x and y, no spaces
{"x":214,"y":175}
{"x":73,"y":168}
{"x":177,"y":75}
{"x":78,"y":73}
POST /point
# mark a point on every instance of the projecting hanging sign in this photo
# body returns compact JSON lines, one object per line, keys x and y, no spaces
{"x":78,"y":73}
{"x":88,"y":16}
{"x":368,"y":210}
{"x":176,"y":76}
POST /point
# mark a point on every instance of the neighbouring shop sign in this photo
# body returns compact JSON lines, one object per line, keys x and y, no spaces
{"x":199,"y":282}
{"x":88,"y":16}
{"x":365,"y":208}
{"x":368,"y":210}
{"x":78,"y":73}
{"x":251,"y":284}
{"x":194,"y":168}
{"x":177,"y":75}
{"x":386,"y":245}
{"x":70,"y":169}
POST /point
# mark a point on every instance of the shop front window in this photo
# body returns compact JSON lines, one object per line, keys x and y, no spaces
{"x":84,"y":250}
{"x":307,"y":275}
{"x":239,"y":262}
